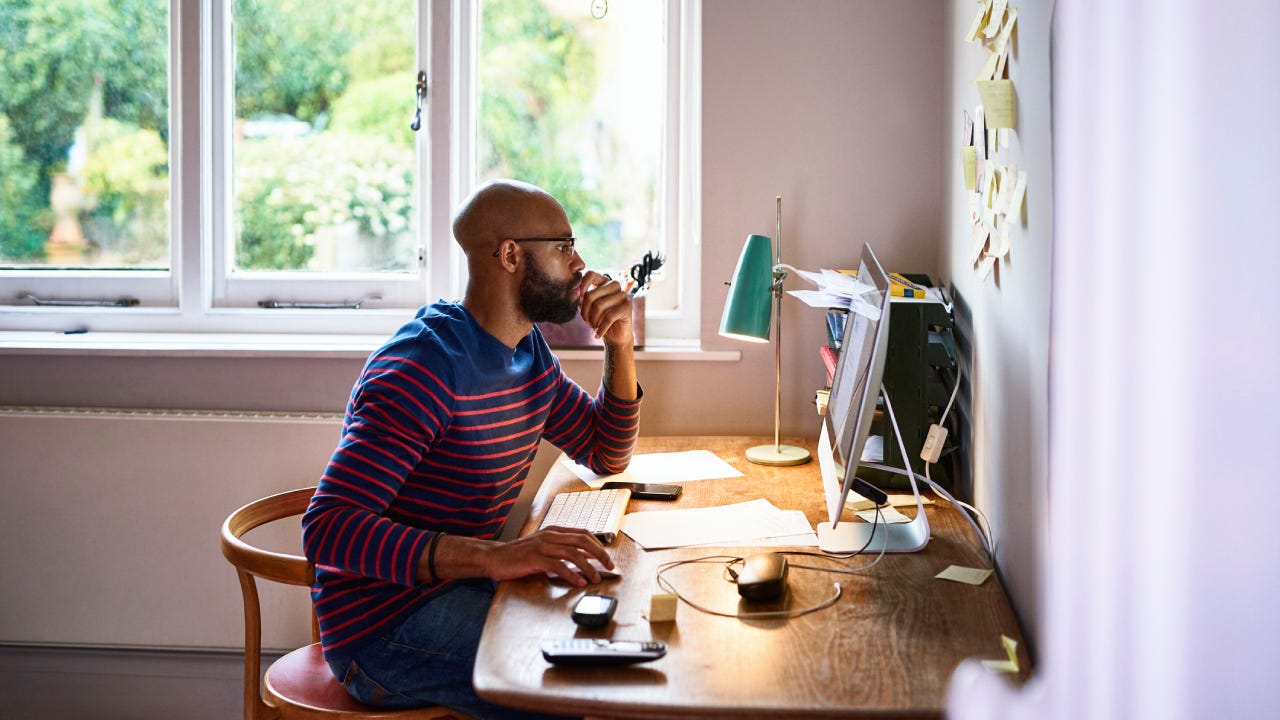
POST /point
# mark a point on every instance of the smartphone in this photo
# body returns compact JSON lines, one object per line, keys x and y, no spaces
{"x":594,"y":611}
{"x":646,"y":491}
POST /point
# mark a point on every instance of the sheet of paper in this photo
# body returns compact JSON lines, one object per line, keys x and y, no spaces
{"x":738,"y":524}
{"x":674,"y":467}
{"x":1011,"y":650}
{"x":967,"y":575}
{"x":998,"y":103}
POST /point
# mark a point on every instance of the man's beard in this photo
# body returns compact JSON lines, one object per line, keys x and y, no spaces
{"x":543,"y":299}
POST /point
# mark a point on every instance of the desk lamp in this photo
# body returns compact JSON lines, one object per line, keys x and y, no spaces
{"x":757,"y":282}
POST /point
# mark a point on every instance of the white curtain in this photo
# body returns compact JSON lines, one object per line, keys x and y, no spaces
{"x":1163,"y":566}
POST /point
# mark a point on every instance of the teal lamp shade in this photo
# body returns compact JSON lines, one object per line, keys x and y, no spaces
{"x":748,"y":308}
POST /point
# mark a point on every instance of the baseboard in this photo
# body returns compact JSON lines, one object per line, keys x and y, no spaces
{"x":43,"y":682}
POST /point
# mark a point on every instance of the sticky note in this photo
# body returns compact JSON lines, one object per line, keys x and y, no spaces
{"x":970,"y":156}
{"x":888,"y":515}
{"x":998,"y":103}
{"x":1014,"y":208}
{"x":977,"y":241}
{"x":1001,"y":45}
{"x":662,"y":607}
{"x":988,"y":69}
{"x":968,"y":575}
{"x":1011,"y":650}
{"x":996,"y":17}
{"x":1002,"y":244}
{"x":984,"y":267}
{"x":979,"y":22}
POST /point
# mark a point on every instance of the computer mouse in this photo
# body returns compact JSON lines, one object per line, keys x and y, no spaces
{"x":763,"y":576}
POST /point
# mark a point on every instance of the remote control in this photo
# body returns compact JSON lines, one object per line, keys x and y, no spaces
{"x":586,"y":651}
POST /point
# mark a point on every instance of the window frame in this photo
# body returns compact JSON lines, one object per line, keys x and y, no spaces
{"x":194,"y":296}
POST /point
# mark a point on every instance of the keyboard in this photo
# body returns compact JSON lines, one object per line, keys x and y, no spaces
{"x":597,"y":511}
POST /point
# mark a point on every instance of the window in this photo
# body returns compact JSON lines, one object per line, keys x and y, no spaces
{"x":249,"y":165}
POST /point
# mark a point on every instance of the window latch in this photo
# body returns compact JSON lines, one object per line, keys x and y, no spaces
{"x":306,"y":305}
{"x":420,"y":89}
{"x":103,"y":302}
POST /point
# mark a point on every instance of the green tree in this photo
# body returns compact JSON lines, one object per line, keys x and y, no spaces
{"x":536,"y":75}
{"x":19,"y":239}
{"x":289,"y":57}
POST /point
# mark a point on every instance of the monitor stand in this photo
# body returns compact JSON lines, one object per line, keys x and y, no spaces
{"x":848,"y":537}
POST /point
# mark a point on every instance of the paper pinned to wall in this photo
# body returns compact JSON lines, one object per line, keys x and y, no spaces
{"x":977,"y":242}
{"x":995,"y":18}
{"x":998,"y":103}
{"x":985,"y":267}
{"x":1014,"y":208}
{"x":979,"y":22}
{"x":969,"y":156}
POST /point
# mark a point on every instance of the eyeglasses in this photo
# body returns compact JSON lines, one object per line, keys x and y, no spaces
{"x":565,"y":247}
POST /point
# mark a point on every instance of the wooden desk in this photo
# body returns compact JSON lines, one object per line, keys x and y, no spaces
{"x":887,"y":648}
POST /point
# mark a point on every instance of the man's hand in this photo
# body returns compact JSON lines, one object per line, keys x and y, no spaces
{"x":607,"y":309}
{"x":562,"y":552}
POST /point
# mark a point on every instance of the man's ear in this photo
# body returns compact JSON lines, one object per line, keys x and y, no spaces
{"x":509,"y":256}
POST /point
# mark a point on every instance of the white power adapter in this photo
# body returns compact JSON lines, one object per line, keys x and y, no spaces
{"x":932,"y":449}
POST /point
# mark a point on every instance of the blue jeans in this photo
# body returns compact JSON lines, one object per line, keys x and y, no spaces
{"x":428,"y":659}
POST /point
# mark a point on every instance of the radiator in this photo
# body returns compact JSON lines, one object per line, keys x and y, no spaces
{"x":109,"y":524}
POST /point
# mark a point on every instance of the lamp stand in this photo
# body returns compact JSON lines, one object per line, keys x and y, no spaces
{"x":777,"y":454}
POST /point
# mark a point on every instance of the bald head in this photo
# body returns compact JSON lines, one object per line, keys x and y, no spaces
{"x":507,"y":209}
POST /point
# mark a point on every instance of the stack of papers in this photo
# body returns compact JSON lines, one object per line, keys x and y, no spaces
{"x":841,"y":290}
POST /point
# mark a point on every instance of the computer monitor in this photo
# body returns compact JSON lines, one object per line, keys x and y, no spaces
{"x":851,"y":406}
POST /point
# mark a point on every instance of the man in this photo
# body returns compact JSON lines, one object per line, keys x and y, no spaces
{"x":440,"y":431}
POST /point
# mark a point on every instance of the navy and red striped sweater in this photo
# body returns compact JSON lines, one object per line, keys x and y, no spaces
{"x":440,"y":431}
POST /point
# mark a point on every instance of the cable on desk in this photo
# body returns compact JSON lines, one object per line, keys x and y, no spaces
{"x":730,"y":560}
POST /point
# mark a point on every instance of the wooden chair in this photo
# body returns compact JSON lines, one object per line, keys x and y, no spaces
{"x":300,"y":684}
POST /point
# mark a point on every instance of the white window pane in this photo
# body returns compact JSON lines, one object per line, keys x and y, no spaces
{"x":324,"y":162}
{"x":576,"y":105}
{"x":84,"y":134}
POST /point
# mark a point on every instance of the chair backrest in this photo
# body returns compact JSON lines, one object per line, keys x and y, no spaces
{"x":251,"y":562}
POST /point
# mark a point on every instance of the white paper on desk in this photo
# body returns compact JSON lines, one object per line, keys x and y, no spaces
{"x":672,"y":467}
{"x":738,"y":524}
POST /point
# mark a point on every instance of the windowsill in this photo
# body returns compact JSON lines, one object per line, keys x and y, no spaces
{"x":253,"y":345}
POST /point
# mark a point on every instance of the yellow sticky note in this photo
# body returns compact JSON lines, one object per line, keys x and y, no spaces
{"x":967,"y":575}
{"x":1019,"y":192}
{"x":998,"y":104}
{"x":988,"y":69}
{"x":970,"y":155}
{"x":996,"y":17}
{"x":1010,"y":649}
{"x":979,"y":22}
{"x":977,"y":241}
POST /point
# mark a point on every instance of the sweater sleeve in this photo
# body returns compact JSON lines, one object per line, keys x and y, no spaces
{"x":396,"y":411}
{"x":598,"y":432}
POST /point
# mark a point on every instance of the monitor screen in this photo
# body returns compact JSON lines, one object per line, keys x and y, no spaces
{"x":855,"y":386}
{"x":851,"y":407}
